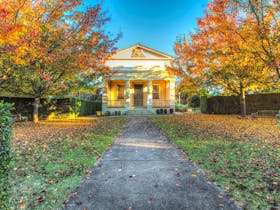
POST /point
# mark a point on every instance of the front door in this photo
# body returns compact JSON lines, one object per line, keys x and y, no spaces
{"x":138,"y":95}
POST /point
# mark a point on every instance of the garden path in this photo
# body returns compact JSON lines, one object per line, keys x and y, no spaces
{"x":143,"y":170}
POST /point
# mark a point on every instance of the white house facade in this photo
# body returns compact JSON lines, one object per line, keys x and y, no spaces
{"x":140,"y":83}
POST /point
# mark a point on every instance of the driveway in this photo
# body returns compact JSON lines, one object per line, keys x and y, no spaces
{"x":143,"y":170}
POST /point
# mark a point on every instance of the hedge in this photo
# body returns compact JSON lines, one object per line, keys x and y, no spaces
{"x":6,"y":124}
{"x":81,"y":107}
{"x":203,"y":104}
{"x":24,"y":106}
{"x":254,"y":103}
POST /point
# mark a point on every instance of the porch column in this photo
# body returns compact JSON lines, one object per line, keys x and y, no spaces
{"x":127,"y":94}
{"x":172,"y":93}
{"x":150,"y":95}
{"x":105,"y":95}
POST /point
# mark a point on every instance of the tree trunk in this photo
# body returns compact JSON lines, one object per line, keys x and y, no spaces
{"x":36,"y":110}
{"x":277,"y":69}
{"x":242,"y":101}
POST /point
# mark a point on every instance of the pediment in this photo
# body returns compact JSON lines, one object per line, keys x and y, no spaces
{"x":140,"y":52}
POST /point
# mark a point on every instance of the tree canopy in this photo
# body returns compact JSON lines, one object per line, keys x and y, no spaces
{"x":45,"y":46}
{"x":234,"y":49}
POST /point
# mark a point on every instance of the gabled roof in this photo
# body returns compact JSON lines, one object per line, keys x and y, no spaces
{"x":140,"y":52}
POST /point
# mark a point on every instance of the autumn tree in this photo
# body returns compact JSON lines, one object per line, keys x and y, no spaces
{"x":263,"y":17}
{"x":62,"y":42}
{"x":10,"y":32}
{"x":218,"y":54}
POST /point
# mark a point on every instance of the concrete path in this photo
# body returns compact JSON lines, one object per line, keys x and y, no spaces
{"x":143,"y":170}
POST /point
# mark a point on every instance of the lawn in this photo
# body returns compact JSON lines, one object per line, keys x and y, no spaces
{"x":240,"y":155}
{"x":52,"y":157}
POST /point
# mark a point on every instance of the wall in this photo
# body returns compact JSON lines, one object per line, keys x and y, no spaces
{"x":113,"y":89}
{"x":231,"y":104}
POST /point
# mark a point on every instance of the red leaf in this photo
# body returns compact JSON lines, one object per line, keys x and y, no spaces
{"x":152,"y":199}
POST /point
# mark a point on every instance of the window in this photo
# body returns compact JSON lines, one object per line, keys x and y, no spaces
{"x":155,"y":91}
{"x":120,"y":91}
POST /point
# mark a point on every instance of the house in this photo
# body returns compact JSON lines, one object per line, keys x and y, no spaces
{"x":141,"y":83}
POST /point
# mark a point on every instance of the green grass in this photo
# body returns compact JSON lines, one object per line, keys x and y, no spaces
{"x":248,"y":169}
{"x":181,"y":107}
{"x":44,"y":174}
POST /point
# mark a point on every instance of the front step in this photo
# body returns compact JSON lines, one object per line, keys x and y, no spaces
{"x":138,"y":112}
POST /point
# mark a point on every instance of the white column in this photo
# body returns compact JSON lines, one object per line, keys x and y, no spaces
{"x":127,"y":94}
{"x":105,"y":95}
{"x":172,"y":93}
{"x":150,"y":95}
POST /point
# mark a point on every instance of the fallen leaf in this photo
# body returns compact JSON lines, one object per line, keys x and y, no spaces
{"x":79,"y":203}
{"x":22,"y":206}
{"x":152,"y":199}
{"x":179,"y":185}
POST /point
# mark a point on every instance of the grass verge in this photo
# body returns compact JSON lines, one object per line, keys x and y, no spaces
{"x":52,"y":157}
{"x":240,"y":155}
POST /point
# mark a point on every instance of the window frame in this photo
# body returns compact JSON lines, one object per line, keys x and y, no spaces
{"x":156,"y":93}
{"x":120,"y":94}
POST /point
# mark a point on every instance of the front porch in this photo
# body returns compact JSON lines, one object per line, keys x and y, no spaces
{"x":126,"y":95}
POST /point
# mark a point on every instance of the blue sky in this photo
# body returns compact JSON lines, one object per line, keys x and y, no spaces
{"x":154,"y":23}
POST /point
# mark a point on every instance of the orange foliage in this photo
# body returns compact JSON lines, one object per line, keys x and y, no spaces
{"x":231,"y":51}
{"x":47,"y":47}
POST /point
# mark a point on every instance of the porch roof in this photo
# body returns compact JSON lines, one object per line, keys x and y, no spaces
{"x":142,"y":75}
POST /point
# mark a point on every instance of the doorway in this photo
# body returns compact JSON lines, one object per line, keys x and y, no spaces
{"x":138,"y":95}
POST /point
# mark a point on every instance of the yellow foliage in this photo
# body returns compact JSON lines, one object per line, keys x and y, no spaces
{"x":52,"y":116}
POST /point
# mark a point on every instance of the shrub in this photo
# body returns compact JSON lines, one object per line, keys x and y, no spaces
{"x":97,"y":106}
{"x":75,"y":107}
{"x":5,"y":151}
{"x":181,"y":107}
{"x":203,"y":104}
{"x":195,"y":101}
{"x":81,"y":107}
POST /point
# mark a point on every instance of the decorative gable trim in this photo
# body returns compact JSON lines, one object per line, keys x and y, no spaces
{"x":137,"y":53}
